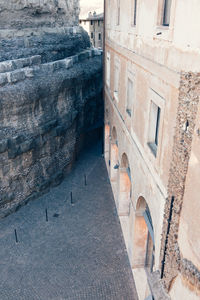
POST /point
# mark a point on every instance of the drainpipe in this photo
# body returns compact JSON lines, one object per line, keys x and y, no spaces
{"x":167,"y":236}
{"x":104,"y":38}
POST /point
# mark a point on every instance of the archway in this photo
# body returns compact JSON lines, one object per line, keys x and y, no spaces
{"x":144,"y":243}
{"x":114,"y":161}
{"x":125,"y":189}
{"x":106,"y":143}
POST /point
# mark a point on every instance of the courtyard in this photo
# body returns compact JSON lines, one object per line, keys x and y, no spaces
{"x":68,"y":243}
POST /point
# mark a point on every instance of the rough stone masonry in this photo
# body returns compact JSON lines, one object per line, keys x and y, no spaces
{"x":50,"y":95}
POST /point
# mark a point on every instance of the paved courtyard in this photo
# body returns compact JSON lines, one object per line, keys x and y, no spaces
{"x":79,"y":254}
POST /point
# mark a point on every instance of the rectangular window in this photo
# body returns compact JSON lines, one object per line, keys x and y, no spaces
{"x":108,"y":69}
{"x":99,"y":36}
{"x":135,"y":13}
{"x":91,"y":22}
{"x":92,"y":35}
{"x":154,"y":125}
{"x":129,"y":97}
{"x":166,"y":12}
{"x":99,"y":22}
{"x":116,"y":79}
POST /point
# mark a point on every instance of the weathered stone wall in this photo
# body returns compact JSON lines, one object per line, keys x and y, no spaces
{"x":50,"y":95}
{"x":189,"y":95}
{"x":18,"y":14}
{"x":44,"y":108}
{"x":50,"y":45}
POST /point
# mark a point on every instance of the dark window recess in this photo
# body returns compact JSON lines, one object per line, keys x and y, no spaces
{"x":99,"y":22}
{"x":187,"y":126}
{"x":91,"y":22}
{"x":92,"y":35}
{"x":135,"y":13}
{"x":166,"y":13}
{"x":118,"y":12}
{"x":157,"y":126}
{"x":99,"y":36}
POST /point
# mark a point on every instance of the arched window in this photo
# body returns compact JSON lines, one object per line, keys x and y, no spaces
{"x":125,"y":188}
{"x":144,"y":243}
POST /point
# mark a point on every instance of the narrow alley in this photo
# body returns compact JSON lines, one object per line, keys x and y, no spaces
{"x":67,"y":251}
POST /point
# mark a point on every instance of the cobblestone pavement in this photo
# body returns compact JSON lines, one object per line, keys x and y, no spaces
{"x":79,"y":254}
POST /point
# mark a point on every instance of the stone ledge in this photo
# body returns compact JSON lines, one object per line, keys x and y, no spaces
{"x":26,"y":32}
{"x":22,"y":73}
{"x":12,"y":65}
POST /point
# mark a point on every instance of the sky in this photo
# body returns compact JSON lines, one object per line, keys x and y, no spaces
{"x":91,"y":5}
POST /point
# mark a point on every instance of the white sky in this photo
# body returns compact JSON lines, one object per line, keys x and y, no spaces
{"x":91,"y":5}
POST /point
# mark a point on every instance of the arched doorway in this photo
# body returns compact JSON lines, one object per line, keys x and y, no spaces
{"x":106,"y":143}
{"x":125,"y":189}
{"x":114,"y":161}
{"x":144,"y":243}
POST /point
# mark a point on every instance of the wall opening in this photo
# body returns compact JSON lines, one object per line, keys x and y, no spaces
{"x":144,"y":243}
{"x":124,"y":187}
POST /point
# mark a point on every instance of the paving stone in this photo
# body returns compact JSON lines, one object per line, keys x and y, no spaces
{"x":79,"y":254}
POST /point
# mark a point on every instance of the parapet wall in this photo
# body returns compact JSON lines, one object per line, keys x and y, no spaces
{"x":44,"y":109}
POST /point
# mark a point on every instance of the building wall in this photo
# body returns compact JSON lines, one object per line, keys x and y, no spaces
{"x":95,"y":31}
{"x":153,"y":56}
{"x":96,"y":28}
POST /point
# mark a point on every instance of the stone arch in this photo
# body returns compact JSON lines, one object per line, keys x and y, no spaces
{"x":114,"y":161}
{"x":125,"y":187}
{"x":106,"y":142}
{"x":144,"y":243}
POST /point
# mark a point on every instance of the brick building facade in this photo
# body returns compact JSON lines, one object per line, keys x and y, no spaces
{"x":152,"y":89}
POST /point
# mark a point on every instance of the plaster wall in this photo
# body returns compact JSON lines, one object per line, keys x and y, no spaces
{"x":143,"y":184}
{"x":176,"y":46}
{"x":149,"y":85}
{"x":181,"y":288}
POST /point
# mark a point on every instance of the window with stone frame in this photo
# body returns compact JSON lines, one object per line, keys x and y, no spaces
{"x":130,"y":97}
{"x":134,"y":13}
{"x":118,"y":13}
{"x":108,"y":69}
{"x":154,"y":126}
{"x":166,"y":12}
{"x":116,"y":78}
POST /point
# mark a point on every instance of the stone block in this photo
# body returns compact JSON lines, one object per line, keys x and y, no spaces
{"x":35,"y":60}
{"x":20,"y":63}
{"x":68,"y":63}
{"x":3,"y":79}
{"x":74,"y":59}
{"x":97,"y":52}
{"x":6,"y":66}
{"x":29,"y":72}
{"x":59,"y":64}
{"x":16,"y":76}
{"x":83,"y":55}
{"x":48,"y":67}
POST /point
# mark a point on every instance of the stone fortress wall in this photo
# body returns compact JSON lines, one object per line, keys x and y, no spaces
{"x":50,"y":96}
